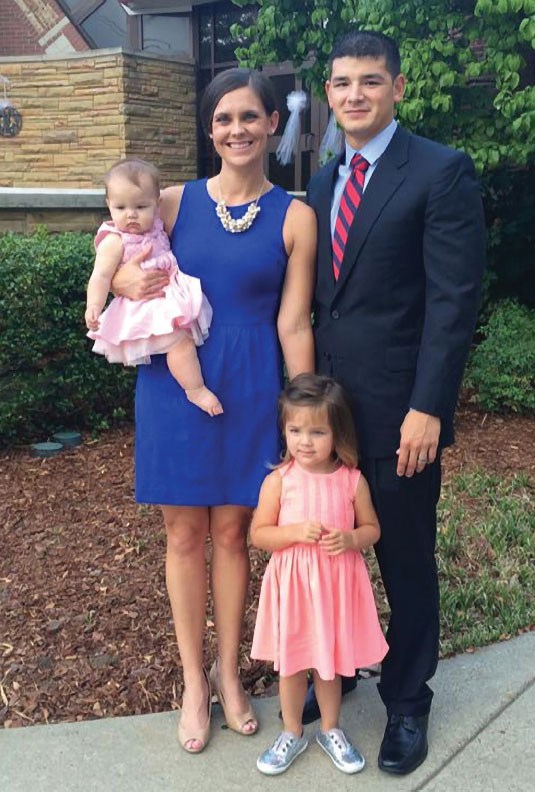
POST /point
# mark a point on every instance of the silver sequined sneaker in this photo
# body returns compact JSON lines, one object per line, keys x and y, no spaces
{"x":341,"y":750}
{"x":282,"y":753}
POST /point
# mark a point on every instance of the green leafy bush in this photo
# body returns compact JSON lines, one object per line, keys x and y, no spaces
{"x":49,"y":378}
{"x":510,"y":208}
{"x":502,"y":367}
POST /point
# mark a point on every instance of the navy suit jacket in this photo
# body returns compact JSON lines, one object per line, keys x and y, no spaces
{"x":396,"y":327}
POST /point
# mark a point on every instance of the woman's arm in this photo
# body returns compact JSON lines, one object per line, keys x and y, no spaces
{"x":265,"y":533}
{"x":366,"y":532}
{"x":135,"y":283}
{"x":294,"y":321}
{"x":108,"y":257}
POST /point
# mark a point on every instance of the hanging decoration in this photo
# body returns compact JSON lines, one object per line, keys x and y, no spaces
{"x":10,"y":118}
{"x":296,"y":102}
{"x":332,"y":144}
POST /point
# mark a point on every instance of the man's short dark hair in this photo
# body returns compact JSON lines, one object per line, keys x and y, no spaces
{"x":367,"y":44}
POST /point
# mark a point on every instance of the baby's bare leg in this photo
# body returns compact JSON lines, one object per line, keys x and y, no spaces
{"x":185,"y":367}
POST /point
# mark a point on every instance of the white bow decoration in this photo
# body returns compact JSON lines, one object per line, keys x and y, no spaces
{"x":296,"y":102}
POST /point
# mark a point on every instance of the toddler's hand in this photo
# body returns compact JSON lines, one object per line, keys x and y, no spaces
{"x":309,"y":532}
{"x":91,"y":317}
{"x":337,"y":542}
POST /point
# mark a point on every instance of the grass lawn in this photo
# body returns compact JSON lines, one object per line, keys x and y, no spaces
{"x":486,"y":558}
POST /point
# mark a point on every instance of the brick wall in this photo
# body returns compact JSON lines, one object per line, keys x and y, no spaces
{"x":35,"y":27}
{"x":82,"y":113}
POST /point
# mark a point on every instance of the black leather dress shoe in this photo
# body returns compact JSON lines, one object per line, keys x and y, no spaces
{"x":311,"y":710}
{"x":404,"y":745}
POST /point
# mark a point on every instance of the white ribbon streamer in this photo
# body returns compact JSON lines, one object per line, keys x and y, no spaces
{"x":296,"y":102}
{"x":332,"y":144}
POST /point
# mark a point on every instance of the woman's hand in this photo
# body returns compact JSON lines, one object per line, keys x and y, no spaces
{"x":338,"y":542}
{"x":138,"y":284}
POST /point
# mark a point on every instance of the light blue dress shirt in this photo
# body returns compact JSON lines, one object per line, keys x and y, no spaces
{"x":371,"y":151}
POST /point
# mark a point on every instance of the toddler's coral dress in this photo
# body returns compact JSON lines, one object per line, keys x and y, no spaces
{"x":316,"y":610}
{"x":130,"y":331}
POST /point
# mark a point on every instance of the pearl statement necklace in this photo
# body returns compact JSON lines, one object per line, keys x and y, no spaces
{"x":245,"y":221}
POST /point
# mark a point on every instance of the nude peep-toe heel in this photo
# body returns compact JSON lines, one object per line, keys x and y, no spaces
{"x":201,"y":735}
{"x":235,"y":721}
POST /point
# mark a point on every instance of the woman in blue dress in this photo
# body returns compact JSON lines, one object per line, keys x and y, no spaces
{"x":204,"y":471}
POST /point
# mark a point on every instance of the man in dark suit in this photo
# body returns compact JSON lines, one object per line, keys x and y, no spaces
{"x":401,"y":249}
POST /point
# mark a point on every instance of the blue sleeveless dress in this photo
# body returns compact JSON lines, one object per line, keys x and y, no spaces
{"x":183,"y":456}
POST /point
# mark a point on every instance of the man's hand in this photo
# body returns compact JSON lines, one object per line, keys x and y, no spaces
{"x":419,"y":442}
{"x":137,"y":284}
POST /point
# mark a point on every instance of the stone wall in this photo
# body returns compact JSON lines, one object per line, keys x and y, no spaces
{"x":83,"y":112}
{"x":24,"y":221}
{"x":160,"y":115}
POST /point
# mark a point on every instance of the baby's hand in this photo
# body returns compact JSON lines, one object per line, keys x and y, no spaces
{"x":309,"y":532}
{"x":91,"y":317}
{"x":337,"y":542}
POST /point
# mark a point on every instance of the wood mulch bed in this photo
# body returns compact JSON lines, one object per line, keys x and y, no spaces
{"x":85,"y":625}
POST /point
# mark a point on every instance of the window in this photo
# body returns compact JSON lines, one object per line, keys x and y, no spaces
{"x":215,"y":53}
{"x":107,"y":25}
{"x":166,"y":34}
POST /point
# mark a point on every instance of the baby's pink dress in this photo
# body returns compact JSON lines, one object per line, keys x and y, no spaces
{"x":130,"y":331}
{"x":316,"y":610}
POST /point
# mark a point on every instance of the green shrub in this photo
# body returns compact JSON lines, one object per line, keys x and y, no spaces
{"x":502,"y":367}
{"x":49,"y":378}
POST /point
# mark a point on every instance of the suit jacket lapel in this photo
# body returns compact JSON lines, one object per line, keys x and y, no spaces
{"x":323,"y":211}
{"x":384,"y":182}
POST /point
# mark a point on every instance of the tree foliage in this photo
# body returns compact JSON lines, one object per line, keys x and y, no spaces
{"x":470,"y":64}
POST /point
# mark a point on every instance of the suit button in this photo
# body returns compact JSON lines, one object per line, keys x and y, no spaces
{"x":335,"y":314}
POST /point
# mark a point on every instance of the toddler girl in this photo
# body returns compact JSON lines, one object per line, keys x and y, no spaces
{"x":316,"y":608}
{"x":130,"y":331}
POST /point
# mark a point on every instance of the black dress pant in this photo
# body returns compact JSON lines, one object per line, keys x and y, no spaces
{"x":406,"y":508}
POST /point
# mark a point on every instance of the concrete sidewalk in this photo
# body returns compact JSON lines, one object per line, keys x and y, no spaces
{"x":482,"y":739}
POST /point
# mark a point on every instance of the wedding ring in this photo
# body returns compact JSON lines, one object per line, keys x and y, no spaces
{"x":422,"y":459}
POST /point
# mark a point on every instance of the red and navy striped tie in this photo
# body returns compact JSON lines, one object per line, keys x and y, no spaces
{"x":349,"y":205}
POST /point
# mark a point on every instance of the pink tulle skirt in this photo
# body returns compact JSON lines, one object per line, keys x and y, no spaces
{"x":130,"y":331}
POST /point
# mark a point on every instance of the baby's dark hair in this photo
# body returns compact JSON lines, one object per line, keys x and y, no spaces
{"x":132,"y":169}
{"x":317,"y":392}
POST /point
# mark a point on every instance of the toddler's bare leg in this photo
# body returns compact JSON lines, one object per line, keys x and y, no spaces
{"x":293,"y":691}
{"x":185,"y":367}
{"x":329,"y":697}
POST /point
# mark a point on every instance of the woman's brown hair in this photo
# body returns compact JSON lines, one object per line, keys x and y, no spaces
{"x":231,"y":80}
{"x":317,"y":392}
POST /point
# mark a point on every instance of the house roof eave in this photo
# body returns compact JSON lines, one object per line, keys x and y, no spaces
{"x":136,"y":7}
